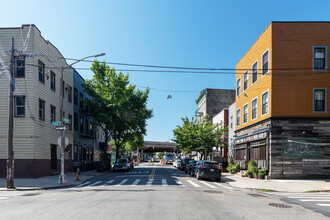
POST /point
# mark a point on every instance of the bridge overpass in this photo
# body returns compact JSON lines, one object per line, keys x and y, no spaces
{"x":155,"y":146}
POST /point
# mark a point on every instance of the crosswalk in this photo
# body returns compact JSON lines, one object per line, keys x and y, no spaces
{"x":155,"y":182}
{"x":319,"y":199}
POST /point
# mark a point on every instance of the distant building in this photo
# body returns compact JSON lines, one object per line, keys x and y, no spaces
{"x":282,"y":110}
{"x":220,"y":153}
{"x":231,"y":130}
{"x":212,"y":101}
{"x":36,"y":103}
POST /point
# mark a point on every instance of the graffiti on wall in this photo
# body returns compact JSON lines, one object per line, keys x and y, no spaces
{"x":301,"y":148}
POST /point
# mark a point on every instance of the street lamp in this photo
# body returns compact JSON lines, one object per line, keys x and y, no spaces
{"x":62,"y":178}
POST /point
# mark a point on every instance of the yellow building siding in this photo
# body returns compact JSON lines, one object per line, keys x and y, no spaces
{"x":254,"y":54}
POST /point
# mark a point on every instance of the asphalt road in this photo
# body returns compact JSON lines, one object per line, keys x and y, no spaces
{"x":150,"y":191}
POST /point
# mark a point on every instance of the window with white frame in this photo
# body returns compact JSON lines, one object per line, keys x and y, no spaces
{"x":320,"y":100}
{"x":41,"y":71}
{"x":41,"y":109}
{"x":319,"y":57}
{"x":265,"y":63}
{"x":238,"y":87}
{"x":238,"y":118}
{"x":265,"y":103}
{"x":245,"y":113}
{"x":255,"y":72}
{"x":19,"y":106}
{"x":52,"y":113}
{"x":20,"y":66}
{"x":246,"y":80}
{"x":52,"y":81}
{"x":254,"y":108}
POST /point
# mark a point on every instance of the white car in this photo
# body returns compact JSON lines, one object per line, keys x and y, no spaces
{"x":175,"y":163}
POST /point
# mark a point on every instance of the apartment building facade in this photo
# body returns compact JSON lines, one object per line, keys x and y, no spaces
{"x":36,"y":103}
{"x":220,"y":153}
{"x":282,"y":115}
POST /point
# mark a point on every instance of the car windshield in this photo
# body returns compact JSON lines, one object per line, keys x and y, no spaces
{"x":122,"y":161}
{"x":210,"y":164}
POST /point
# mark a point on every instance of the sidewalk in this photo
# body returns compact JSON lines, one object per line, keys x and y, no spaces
{"x":280,"y":185}
{"x":48,"y":182}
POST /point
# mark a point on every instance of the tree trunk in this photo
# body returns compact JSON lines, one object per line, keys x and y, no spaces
{"x":117,"y":150}
{"x":105,"y":156}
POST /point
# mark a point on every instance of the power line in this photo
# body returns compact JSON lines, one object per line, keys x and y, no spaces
{"x":165,"y":90}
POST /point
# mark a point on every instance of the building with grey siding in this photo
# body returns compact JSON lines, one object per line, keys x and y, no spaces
{"x":231,"y":130}
{"x":36,"y":103}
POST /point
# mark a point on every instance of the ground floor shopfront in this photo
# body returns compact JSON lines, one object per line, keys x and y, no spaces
{"x":286,"y":147}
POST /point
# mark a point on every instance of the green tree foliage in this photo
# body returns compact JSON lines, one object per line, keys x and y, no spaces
{"x":198,"y":136}
{"x":160,"y":155}
{"x":117,"y":106}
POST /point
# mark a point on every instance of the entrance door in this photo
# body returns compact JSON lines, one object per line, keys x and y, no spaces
{"x":53,"y":155}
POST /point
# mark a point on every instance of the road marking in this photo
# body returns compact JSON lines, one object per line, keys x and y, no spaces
{"x":94,"y":183}
{"x":150,"y":182}
{"x":227,"y":187}
{"x":179,"y":183}
{"x":132,"y":176}
{"x":139,"y":172}
{"x":208,"y":184}
{"x":314,"y":200}
{"x":83,"y":184}
{"x":4,"y":198}
{"x":110,"y":181}
{"x":136,"y":182}
{"x":164,"y":182}
{"x":323,"y":204}
{"x":308,"y":197}
{"x":194,"y":184}
{"x":153,"y":172}
{"x":122,"y":182}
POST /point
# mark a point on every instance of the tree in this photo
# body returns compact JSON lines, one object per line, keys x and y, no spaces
{"x":117,"y":106}
{"x":198,"y":136}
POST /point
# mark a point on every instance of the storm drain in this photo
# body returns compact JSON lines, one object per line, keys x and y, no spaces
{"x":256,"y":195}
{"x":32,"y":194}
{"x":279,"y":205}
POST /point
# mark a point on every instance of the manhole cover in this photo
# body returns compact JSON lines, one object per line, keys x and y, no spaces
{"x":212,"y":191}
{"x":279,"y":205}
{"x":31,"y":194}
{"x":256,"y":195}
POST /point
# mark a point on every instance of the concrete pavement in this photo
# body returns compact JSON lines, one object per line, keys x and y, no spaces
{"x":280,"y":185}
{"x":48,"y":182}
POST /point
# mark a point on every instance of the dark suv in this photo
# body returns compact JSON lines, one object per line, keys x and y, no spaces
{"x":184,"y":162}
{"x":208,"y":169}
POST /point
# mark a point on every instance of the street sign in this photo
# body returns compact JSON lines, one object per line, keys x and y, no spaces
{"x":66,"y":120}
{"x":61,"y":128}
{"x":58,"y":123}
{"x":65,"y":143}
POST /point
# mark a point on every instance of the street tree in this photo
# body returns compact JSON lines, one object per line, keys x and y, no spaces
{"x":117,"y":106}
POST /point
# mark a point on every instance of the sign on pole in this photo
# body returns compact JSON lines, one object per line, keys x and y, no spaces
{"x":58,"y":123}
{"x":66,"y":120}
{"x":61,"y":128}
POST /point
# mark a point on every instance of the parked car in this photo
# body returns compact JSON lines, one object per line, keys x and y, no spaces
{"x":169,"y":158}
{"x":131,"y":164}
{"x":178,"y":163}
{"x":190,"y":166}
{"x":122,"y":164}
{"x":208,"y":170}
{"x":175,"y":163}
{"x":184,"y":162}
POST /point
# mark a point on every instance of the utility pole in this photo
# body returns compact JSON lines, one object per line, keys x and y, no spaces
{"x":10,"y":160}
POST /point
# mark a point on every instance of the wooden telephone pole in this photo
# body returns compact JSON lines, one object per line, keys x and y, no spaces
{"x":10,"y":161}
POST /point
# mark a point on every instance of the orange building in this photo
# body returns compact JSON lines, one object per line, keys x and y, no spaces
{"x":282,"y":115}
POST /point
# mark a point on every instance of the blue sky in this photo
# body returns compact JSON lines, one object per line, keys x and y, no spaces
{"x":187,"y":33}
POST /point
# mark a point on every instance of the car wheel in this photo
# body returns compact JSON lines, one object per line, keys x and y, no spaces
{"x":198,"y":176}
{"x":191,"y":173}
{"x":218,"y":179}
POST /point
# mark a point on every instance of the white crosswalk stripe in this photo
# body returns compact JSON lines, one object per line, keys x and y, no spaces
{"x":227,"y":187}
{"x":192,"y":183}
{"x":94,"y":183}
{"x":179,"y":183}
{"x":164,"y":182}
{"x":122,"y":182}
{"x":83,"y":184}
{"x":208,"y":184}
{"x":110,"y":181}
{"x":150,"y":182}
{"x":320,"y":199}
{"x":323,"y":204}
{"x":136,"y":182}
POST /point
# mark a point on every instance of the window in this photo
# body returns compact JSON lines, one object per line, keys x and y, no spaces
{"x":75,"y":121}
{"x":231,"y":121}
{"x":75,"y":96}
{"x":19,"y":106}
{"x":265,"y":103}
{"x":319,"y":57}
{"x":238,"y":87}
{"x":81,"y":124}
{"x":246,"y":80}
{"x":41,"y":70}
{"x":255,"y":72}
{"x":320,"y":99}
{"x":52,"y":113}
{"x":86,"y":126}
{"x":265,"y":63}
{"x":41,"y":109}
{"x":254,"y":108}
{"x":70,"y":124}
{"x":245,"y":115}
{"x":20,"y":66}
{"x":70,"y":94}
{"x":52,"y":81}
{"x":86,"y":105}
{"x":238,"y":118}
{"x":81,"y":101}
